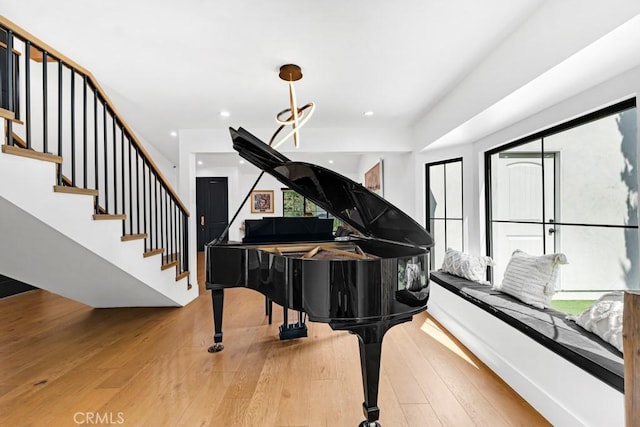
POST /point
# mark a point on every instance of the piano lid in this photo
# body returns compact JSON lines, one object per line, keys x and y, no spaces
{"x":345,"y":199}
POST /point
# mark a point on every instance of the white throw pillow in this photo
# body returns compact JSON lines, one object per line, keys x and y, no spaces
{"x":470,"y":267}
{"x":604,"y":318}
{"x":532,"y":279}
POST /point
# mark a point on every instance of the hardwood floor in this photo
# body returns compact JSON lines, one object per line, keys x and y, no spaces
{"x":62,"y":363}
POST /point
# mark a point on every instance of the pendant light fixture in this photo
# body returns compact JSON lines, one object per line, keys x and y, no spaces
{"x":294,"y":116}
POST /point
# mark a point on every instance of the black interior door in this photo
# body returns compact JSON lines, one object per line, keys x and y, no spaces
{"x":212,"y":207}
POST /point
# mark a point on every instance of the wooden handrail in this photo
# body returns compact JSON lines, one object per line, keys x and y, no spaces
{"x":69,"y":62}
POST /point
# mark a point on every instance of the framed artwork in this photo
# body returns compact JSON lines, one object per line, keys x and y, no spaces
{"x":262,"y":201}
{"x":373,"y":179}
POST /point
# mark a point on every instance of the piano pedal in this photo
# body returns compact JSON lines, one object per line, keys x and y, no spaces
{"x":293,"y":330}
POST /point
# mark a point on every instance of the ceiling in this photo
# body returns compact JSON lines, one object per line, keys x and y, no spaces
{"x":173,"y":65}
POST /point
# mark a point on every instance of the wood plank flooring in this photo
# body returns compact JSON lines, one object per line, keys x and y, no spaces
{"x":65,"y":364}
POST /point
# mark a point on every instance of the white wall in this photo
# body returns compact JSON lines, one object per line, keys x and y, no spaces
{"x":473,"y":205}
{"x":621,"y":87}
{"x":397,"y":175}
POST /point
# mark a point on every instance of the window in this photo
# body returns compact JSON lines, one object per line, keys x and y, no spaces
{"x":294,"y":204}
{"x":444,"y":207}
{"x":570,"y":189}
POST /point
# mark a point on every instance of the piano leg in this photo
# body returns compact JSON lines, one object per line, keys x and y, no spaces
{"x":370,"y":343}
{"x":217,"y":301}
{"x":268,"y":308}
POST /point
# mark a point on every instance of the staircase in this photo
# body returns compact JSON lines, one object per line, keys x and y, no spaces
{"x":84,"y":211}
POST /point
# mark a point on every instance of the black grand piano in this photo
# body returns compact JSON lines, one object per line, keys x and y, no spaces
{"x":364,"y":284}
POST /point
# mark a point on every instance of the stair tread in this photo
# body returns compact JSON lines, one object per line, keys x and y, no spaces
{"x":169,"y":265}
{"x":182,"y":275}
{"x":75,"y":190}
{"x":23,"y":152}
{"x":109,"y":216}
{"x":7,"y":114}
{"x":153,"y":252}
{"x":128,"y":237}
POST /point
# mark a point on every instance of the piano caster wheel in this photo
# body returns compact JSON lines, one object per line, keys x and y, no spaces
{"x":215,"y":348}
{"x":366,"y":423}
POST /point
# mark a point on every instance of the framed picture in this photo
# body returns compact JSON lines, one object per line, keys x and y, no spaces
{"x":262,"y":201}
{"x":374,"y":180}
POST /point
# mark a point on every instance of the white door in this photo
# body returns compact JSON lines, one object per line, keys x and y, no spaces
{"x":518,"y":209}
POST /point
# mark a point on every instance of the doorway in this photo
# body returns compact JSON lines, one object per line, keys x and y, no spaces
{"x":212,"y":206}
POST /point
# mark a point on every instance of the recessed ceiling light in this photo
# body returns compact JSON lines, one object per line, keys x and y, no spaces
{"x":242,"y":162}
{"x":330,"y":162}
{"x":200,"y":162}
{"x":225,"y":114}
{"x":368,"y":113}
{"x":174,"y":133}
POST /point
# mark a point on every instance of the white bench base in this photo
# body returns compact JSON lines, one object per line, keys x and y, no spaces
{"x":563,"y":393}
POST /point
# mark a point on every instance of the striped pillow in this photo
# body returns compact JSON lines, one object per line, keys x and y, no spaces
{"x":532,"y":279}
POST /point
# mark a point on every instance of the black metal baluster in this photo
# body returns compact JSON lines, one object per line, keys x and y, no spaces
{"x":175,"y":230}
{"x":155,"y":201}
{"x":185,"y":242}
{"x":167,"y":227}
{"x":27,"y":72}
{"x":95,"y":149}
{"x":84,"y":130}
{"x":123,"y":175}
{"x":170,"y":213}
{"x":137,"y":188}
{"x":115,"y":169}
{"x":106,"y":157}
{"x":144,"y":204}
{"x":162,"y":241}
{"x":45,"y":103}
{"x":16,"y":85}
{"x":73,"y":128}
{"x":10,"y":77}
{"x":181,"y":240}
{"x":130,"y":189}
{"x":59,"y":168}
{"x":151,"y":247}
{"x":170,"y":228}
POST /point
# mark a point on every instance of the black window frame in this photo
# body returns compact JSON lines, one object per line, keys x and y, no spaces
{"x":428,"y":221}
{"x":541,"y":135}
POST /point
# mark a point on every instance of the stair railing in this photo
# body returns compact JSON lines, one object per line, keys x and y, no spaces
{"x":68,"y":114}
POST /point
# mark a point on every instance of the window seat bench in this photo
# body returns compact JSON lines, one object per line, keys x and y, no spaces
{"x":569,"y":375}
